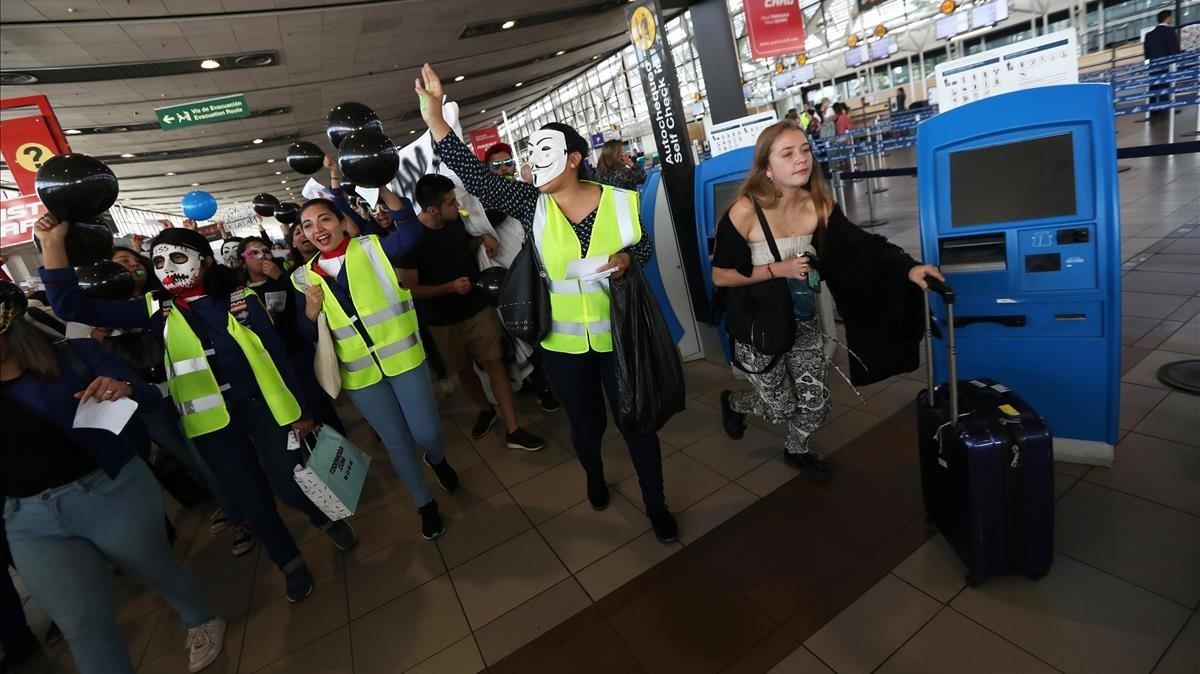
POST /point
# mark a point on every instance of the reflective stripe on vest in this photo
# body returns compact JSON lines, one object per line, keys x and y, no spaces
{"x":580,"y":310}
{"x":384,"y":310}
{"x":193,"y":386}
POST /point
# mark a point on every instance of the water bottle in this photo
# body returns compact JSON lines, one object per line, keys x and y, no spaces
{"x":804,"y":300}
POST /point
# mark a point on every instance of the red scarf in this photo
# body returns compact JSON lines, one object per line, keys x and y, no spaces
{"x":184,"y":296}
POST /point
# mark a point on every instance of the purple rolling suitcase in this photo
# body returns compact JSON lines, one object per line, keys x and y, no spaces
{"x":986,"y":468}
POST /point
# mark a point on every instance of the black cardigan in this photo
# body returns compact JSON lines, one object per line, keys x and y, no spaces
{"x":868,"y":276}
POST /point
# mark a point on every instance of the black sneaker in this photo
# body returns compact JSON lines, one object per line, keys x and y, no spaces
{"x":548,"y":402}
{"x":735,"y":423}
{"x":523,"y":439}
{"x":243,"y":540}
{"x":483,"y":424}
{"x":432,"y":525}
{"x":299,"y":584}
{"x":597,"y":494}
{"x":446,"y":475}
{"x":665,"y":528}
{"x":808,"y":463}
{"x":342,"y":535}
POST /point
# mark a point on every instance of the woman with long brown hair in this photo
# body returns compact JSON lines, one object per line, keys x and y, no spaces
{"x":615,"y":167}
{"x":783,"y":194}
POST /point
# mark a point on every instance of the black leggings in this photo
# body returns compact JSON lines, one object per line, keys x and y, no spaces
{"x":581,"y":383}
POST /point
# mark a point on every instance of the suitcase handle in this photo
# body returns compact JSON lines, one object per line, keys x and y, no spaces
{"x":947,"y":294}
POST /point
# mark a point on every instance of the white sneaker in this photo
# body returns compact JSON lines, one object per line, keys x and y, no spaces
{"x":204,"y":644}
{"x":217,"y":522}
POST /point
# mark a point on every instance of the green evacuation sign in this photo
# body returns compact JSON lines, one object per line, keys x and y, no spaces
{"x":208,"y":111}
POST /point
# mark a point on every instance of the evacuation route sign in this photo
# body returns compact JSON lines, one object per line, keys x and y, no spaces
{"x":209,"y":111}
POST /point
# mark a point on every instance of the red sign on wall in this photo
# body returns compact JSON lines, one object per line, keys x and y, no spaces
{"x":483,"y":139}
{"x":17,"y":217}
{"x":26,"y":143}
{"x":775,"y":27}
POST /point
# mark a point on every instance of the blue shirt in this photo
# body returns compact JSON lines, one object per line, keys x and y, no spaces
{"x":55,"y":401}
{"x":208,"y":317}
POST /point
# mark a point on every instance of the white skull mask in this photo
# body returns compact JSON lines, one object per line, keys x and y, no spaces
{"x":547,"y":156}
{"x":177,"y":267}
{"x":229,"y":254}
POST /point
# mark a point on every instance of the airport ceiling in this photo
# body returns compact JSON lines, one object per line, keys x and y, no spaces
{"x":107,"y":64}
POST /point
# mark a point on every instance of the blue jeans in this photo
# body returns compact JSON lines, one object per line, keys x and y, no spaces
{"x":400,"y":409}
{"x":251,"y":459}
{"x":163,"y":424}
{"x":62,"y":541}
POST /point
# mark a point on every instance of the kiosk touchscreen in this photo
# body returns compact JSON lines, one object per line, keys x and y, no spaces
{"x":1019,"y":208}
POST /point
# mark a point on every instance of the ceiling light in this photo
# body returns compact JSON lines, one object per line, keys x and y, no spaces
{"x":560,"y":52}
{"x":412,"y":132}
{"x":270,"y":161}
{"x":279,"y":173}
{"x":170,"y":173}
{"x":483,"y":111}
{"x":508,"y":24}
{"x":195,"y":184}
{"x":595,"y":57}
{"x":281,"y":182}
{"x":518,"y":84}
{"x":460,"y":78}
{"x":72,"y":132}
{"x":257,"y":141}
{"x":126,"y":155}
{"x":210,"y":64}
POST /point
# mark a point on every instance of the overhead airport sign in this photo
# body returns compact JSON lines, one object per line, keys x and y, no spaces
{"x":208,"y":111}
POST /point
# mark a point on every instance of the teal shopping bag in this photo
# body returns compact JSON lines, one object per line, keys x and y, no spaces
{"x":334,"y":473}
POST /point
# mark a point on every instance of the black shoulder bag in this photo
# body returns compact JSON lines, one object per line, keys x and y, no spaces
{"x":524,"y":297}
{"x":761,"y":314}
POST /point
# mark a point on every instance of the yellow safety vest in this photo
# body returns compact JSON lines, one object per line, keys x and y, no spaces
{"x":579,"y":311}
{"x":385,"y":310}
{"x":190,"y":380}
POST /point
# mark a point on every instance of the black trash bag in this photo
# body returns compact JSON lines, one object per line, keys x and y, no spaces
{"x":649,"y":370}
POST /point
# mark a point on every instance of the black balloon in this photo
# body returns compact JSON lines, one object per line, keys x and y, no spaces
{"x":488,"y":283}
{"x":106,"y":280}
{"x":288,"y":212}
{"x":265,"y":204}
{"x":368,"y":158}
{"x":305,"y":157}
{"x":349,"y":117}
{"x":76,"y":187}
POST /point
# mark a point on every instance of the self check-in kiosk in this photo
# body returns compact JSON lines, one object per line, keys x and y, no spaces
{"x":1019,"y":208}
{"x":717,"y":183}
{"x":665,"y":273}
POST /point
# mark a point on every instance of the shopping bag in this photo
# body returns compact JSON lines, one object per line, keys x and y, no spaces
{"x":649,"y":369}
{"x":325,"y":362}
{"x":332,"y":474}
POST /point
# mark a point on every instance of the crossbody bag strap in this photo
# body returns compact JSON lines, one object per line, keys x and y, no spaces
{"x":766,"y":228}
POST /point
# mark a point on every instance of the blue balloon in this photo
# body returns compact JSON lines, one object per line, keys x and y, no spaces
{"x":199,"y":205}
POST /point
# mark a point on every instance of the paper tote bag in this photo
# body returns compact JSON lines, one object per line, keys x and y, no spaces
{"x":325,"y":362}
{"x":332,"y":477}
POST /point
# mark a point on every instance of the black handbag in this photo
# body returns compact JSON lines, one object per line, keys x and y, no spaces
{"x":524,"y":298}
{"x":761,"y":315}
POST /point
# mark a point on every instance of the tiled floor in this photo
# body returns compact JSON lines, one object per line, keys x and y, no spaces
{"x":772,"y":573}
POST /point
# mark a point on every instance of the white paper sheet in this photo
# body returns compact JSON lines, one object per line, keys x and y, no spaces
{"x":313,"y":189}
{"x":369,"y":194}
{"x":106,"y":415}
{"x":585,"y":268}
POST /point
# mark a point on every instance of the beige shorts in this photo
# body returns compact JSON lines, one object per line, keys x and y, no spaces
{"x":479,"y":338}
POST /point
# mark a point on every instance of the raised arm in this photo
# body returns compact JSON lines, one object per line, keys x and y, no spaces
{"x":514,"y":198}
{"x":64,"y":293}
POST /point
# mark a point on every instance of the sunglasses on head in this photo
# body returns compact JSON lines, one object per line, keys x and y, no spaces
{"x":507,"y":162}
